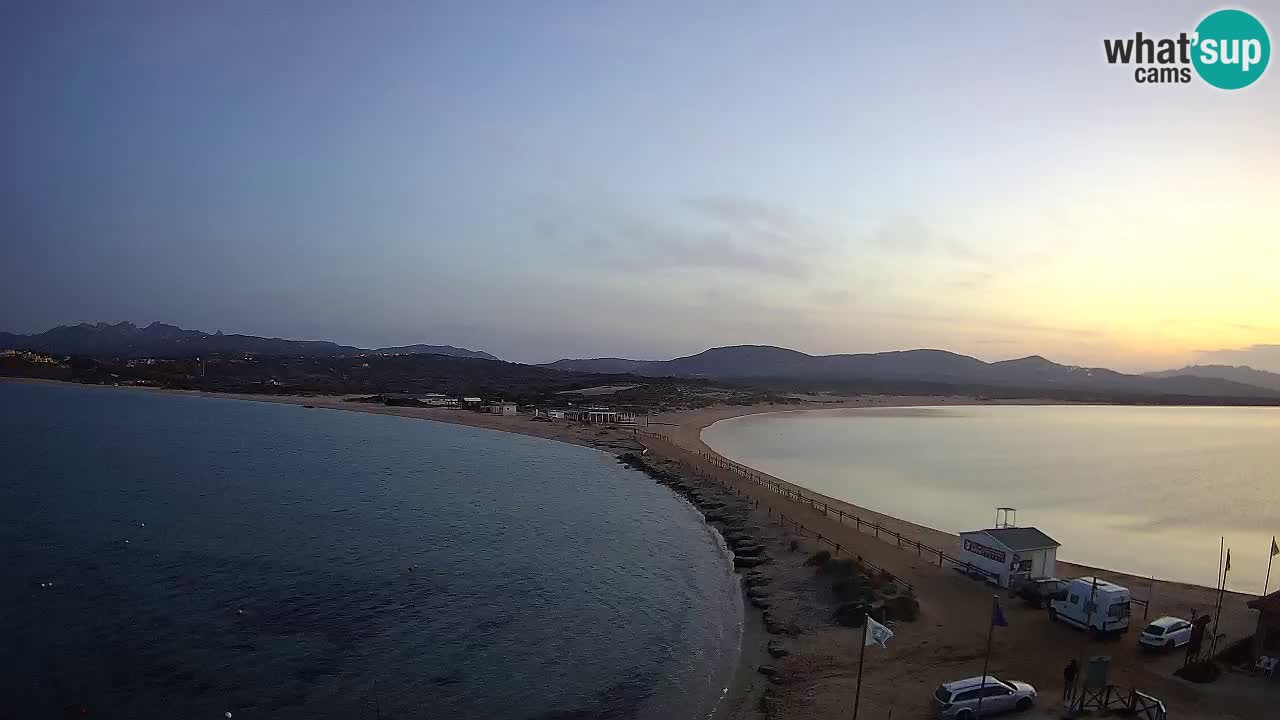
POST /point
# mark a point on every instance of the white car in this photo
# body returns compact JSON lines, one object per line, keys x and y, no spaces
{"x":959,"y":700}
{"x":1166,"y":633}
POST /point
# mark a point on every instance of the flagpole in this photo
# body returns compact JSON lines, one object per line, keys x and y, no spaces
{"x":991,"y":628}
{"x":1270,"y":556}
{"x":857,"y":696}
{"x":1218,"y":615}
{"x":1221,"y":544}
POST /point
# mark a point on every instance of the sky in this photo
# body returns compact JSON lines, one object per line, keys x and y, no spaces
{"x":646,"y":180}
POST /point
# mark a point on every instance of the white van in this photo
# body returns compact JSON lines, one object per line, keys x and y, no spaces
{"x":1093,"y":604}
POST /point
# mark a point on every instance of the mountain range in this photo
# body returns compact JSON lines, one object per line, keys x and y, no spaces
{"x":763,"y":362}
{"x":908,"y":370}
{"x":1235,"y":373}
{"x":126,"y":340}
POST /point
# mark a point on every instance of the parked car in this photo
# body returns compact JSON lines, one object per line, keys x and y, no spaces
{"x":1039,"y":593}
{"x":1166,"y":633}
{"x":959,"y":700}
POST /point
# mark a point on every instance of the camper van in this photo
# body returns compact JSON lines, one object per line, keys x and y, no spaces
{"x":1093,"y":604}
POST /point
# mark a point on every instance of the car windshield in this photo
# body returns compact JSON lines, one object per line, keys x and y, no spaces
{"x":943,"y":695}
{"x":1154,"y":630}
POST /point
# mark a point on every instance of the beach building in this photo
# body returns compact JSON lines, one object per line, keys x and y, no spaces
{"x":1007,"y":554}
{"x":600,"y":415}
{"x":471,"y":401}
{"x":438,"y":400}
{"x":502,"y":408}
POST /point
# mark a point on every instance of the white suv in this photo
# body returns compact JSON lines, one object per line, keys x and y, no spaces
{"x":959,"y":700}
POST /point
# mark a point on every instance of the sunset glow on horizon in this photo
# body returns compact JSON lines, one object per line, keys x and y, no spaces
{"x":579,"y":180}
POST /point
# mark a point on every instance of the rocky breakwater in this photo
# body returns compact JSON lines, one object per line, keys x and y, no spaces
{"x":810,"y":602}
{"x":769,"y":559}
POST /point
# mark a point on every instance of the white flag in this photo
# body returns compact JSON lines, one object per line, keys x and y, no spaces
{"x":877,"y":634}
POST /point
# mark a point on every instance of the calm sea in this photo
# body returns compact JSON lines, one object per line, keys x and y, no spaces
{"x":1143,"y":490}
{"x":171,"y":556}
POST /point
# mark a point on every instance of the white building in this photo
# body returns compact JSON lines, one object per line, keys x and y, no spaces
{"x":438,"y":400}
{"x":502,"y":408}
{"x":1010,"y":553}
{"x":600,"y":415}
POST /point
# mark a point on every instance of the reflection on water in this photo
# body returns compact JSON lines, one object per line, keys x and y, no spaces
{"x":1138,"y":489}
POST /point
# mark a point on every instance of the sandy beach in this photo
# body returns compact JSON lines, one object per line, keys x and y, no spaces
{"x":816,"y":678}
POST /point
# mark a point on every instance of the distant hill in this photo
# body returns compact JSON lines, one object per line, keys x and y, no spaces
{"x":449,"y":350}
{"x":1234,"y":373}
{"x":763,"y":362}
{"x":126,"y":340}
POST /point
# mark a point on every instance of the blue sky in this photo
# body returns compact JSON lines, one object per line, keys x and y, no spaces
{"x":644,"y":179}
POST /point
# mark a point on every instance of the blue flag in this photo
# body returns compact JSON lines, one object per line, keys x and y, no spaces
{"x":997,"y":614}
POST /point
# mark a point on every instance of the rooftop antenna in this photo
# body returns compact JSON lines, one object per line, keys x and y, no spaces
{"x":1006,"y":517}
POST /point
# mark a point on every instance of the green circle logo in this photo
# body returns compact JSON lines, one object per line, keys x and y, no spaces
{"x":1231,"y":49}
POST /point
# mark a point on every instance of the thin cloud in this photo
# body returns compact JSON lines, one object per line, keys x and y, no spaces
{"x":712,"y":233}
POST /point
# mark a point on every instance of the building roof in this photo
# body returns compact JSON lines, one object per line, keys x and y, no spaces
{"x":1021,"y":538}
{"x":1269,"y":604}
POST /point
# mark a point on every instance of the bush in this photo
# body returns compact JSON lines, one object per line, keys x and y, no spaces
{"x":852,"y":614}
{"x":902,"y":607}
{"x":853,"y":588}
{"x":820,"y":559}
{"x":841,"y":567}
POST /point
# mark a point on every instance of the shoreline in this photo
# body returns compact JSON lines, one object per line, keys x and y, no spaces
{"x":818,"y":674}
{"x":683,"y":428}
{"x":735,"y":703}
{"x":952,"y":539}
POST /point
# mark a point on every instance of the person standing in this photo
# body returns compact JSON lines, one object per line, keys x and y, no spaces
{"x":1069,"y":680}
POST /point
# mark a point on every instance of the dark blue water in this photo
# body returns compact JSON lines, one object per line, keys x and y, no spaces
{"x":169,"y":556}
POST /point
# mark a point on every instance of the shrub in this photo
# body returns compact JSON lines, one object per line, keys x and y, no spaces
{"x":852,"y":588}
{"x":852,"y":614}
{"x":902,"y":607}
{"x":841,"y":567}
{"x":820,"y":559}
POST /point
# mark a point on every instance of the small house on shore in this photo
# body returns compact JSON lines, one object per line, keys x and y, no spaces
{"x":1008,"y":554}
{"x":502,"y":408}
